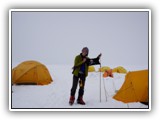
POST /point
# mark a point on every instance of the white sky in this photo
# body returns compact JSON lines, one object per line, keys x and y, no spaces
{"x":57,"y":37}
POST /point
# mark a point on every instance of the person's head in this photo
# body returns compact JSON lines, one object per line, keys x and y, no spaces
{"x":85,"y":51}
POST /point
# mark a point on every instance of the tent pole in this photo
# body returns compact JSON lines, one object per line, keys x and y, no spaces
{"x":114,"y":86}
{"x":105,"y":89}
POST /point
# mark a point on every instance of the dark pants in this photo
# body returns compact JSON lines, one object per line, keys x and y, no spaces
{"x":81,"y":80}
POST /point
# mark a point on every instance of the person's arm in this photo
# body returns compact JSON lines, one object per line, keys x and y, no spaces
{"x":77,"y":63}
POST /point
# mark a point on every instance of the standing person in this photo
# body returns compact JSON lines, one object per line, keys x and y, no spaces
{"x":80,"y":72}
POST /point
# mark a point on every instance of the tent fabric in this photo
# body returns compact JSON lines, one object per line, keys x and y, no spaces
{"x":134,"y":88}
{"x":31,"y":72}
{"x":104,"y":68}
{"x":120,"y":69}
{"x":91,"y":69}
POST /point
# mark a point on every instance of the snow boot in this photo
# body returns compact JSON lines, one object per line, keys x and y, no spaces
{"x":80,"y":101}
{"x":71,"y":100}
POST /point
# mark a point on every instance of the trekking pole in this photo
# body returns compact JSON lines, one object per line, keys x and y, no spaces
{"x":100,"y":80}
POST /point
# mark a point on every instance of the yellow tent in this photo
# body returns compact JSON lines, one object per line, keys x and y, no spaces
{"x":31,"y":72}
{"x":134,"y":88}
{"x":104,"y":68}
{"x":119,"y":69}
{"x":91,"y":69}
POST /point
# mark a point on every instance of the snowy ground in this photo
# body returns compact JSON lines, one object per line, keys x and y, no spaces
{"x":56,"y":94}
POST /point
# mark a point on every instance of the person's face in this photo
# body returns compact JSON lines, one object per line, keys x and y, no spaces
{"x":84,"y":52}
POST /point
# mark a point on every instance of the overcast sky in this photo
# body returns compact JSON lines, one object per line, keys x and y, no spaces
{"x":57,"y":37}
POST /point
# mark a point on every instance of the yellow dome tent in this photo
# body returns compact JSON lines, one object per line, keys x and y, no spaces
{"x":119,"y":69}
{"x":31,"y":72}
{"x":91,"y":69}
{"x":135,"y":88}
{"x":104,"y":68}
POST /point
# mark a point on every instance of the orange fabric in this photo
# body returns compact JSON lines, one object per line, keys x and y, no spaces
{"x":30,"y":72}
{"x":134,"y":88}
{"x":108,"y":73}
{"x":105,"y":74}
